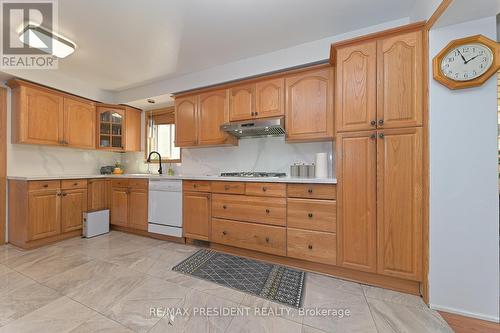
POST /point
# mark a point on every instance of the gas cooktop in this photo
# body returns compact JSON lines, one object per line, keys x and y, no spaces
{"x":253,"y":174}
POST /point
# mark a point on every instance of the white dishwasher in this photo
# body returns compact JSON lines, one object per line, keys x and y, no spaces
{"x":165,"y":207}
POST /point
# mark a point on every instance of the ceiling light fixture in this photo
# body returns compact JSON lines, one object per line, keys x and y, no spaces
{"x":40,"y":38}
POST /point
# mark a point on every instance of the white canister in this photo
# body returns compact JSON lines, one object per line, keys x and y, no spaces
{"x":321,"y":165}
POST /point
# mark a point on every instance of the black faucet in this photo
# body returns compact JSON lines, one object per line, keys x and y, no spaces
{"x":160,"y":171}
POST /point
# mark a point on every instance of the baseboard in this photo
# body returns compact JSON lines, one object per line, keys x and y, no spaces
{"x":464,"y":313}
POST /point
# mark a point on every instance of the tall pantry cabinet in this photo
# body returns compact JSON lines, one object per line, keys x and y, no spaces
{"x":379,"y":111}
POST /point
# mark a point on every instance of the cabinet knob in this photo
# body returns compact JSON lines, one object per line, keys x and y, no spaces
{"x":226,"y":187}
{"x":268,"y":211}
{"x":373,"y":136}
{"x":310,"y":247}
{"x":381,"y":122}
{"x":373,"y":123}
{"x":224,"y":232}
{"x":45,"y":185}
{"x":267,"y":239}
{"x":310,"y":215}
{"x":256,"y":113}
{"x":64,"y":194}
{"x":381,"y":135}
{"x":224,"y":206}
{"x":75,"y":184}
{"x":195,"y":185}
{"x":264,"y":189}
{"x":310,"y":191}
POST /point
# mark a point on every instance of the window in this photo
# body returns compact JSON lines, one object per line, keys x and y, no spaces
{"x":160,"y":135}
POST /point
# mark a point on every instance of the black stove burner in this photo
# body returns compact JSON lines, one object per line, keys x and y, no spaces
{"x":253,"y":174}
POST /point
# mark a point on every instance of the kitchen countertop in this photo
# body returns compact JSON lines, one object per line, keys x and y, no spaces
{"x":186,"y":177}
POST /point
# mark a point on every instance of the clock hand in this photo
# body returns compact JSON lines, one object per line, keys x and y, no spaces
{"x":461,"y":55}
{"x":471,"y":59}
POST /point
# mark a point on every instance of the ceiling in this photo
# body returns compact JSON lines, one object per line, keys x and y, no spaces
{"x":128,"y":43}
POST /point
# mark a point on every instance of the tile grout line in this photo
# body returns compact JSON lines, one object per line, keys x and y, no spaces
{"x":369,"y":308}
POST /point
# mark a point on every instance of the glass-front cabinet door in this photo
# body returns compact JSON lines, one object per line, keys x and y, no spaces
{"x":111,"y":128}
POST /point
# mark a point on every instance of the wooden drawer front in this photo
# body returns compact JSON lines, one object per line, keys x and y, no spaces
{"x":312,"y":246}
{"x":228,"y":187}
{"x":266,"y":189}
{"x":138,"y":184}
{"x":313,"y":191}
{"x":196,"y":185}
{"x":44,"y":185}
{"x":250,"y":236}
{"x":250,"y":209}
{"x":69,"y":184}
{"x":119,"y":182}
{"x":319,"y":215}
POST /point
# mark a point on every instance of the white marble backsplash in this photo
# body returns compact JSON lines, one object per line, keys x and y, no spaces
{"x":259,"y":154}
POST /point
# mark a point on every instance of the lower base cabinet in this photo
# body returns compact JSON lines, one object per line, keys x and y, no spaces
{"x":129,"y":203}
{"x":196,"y":215}
{"x":73,"y":205}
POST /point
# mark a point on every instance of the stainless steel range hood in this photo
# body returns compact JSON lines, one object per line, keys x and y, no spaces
{"x":256,"y":128}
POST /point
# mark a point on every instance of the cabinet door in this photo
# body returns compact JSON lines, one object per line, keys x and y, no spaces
{"x":400,"y":75}
{"x":119,"y":206}
{"x":270,"y":98}
{"x":356,"y":87}
{"x":242,"y":102}
{"x":196,"y":215}
{"x":44,"y":211}
{"x":309,"y":109}
{"x":212,"y":113}
{"x":138,"y":209}
{"x":111,"y":127}
{"x":356,"y":200}
{"x":79,"y":123}
{"x":132,"y":129}
{"x":73,"y":205}
{"x":98,"y":194}
{"x":42,"y":117}
{"x":399,"y":203}
{"x":186,"y":127}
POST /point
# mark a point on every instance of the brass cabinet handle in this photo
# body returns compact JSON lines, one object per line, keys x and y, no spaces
{"x":373,"y":123}
{"x":310,"y":215}
{"x":310,"y":191}
{"x":310,"y":247}
{"x":268,"y":211}
{"x":381,"y":122}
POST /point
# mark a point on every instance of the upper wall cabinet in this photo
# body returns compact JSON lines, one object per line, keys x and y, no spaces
{"x":270,"y":98}
{"x":309,"y":105}
{"x":400,"y":75}
{"x":133,"y":129}
{"x":379,"y":83}
{"x":119,"y":128}
{"x":242,"y":102}
{"x":356,"y":87}
{"x":198,"y":119}
{"x":44,"y":116}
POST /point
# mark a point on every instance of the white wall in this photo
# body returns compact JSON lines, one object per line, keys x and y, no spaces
{"x":464,"y":213}
{"x":37,"y":160}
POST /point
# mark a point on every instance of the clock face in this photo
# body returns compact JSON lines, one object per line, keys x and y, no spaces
{"x":467,"y":62}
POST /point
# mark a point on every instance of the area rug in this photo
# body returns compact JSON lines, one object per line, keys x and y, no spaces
{"x":273,"y":282}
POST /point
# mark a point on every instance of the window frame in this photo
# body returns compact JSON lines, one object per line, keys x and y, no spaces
{"x":147,"y":115}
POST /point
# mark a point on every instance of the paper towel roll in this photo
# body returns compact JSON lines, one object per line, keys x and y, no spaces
{"x":321,"y":165}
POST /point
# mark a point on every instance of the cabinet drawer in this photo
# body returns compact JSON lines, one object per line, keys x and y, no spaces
{"x":266,"y":189}
{"x":138,"y":184}
{"x":313,"y":191}
{"x":228,"y":187}
{"x":119,"y":182}
{"x":69,"y":184}
{"x":196,"y":185}
{"x":312,"y":246}
{"x":250,"y":209}
{"x":263,"y":238}
{"x":319,"y":215}
{"x":38,"y":185}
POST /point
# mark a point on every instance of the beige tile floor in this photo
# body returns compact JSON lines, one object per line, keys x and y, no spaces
{"x":110,"y":283}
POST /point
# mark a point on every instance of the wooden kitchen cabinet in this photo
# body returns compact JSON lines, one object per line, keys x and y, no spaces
{"x":212,"y":113}
{"x":129,"y":203}
{"x":400,"y":76}
{"x":242,"y":102}
{"x":111,"y":128}
{"x":399,"y":203}
{"x":98,"y":194}
{"x":119,"y":206}
{"x":270,"y":98}
{"x":356,"y":87}
{"x":138,"y":209}
{"x":73,"y":205}
{"x":356,"y":200}
{"x":186,"y":121}
{"x":196,"y":215}
{"x":309,"y":105}
{"x":44,"y":214}
{"x":79,"y":123}
{"x":133,"y":129}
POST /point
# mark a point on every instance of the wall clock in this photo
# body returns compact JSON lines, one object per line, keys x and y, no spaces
{"x":466,"y":62}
